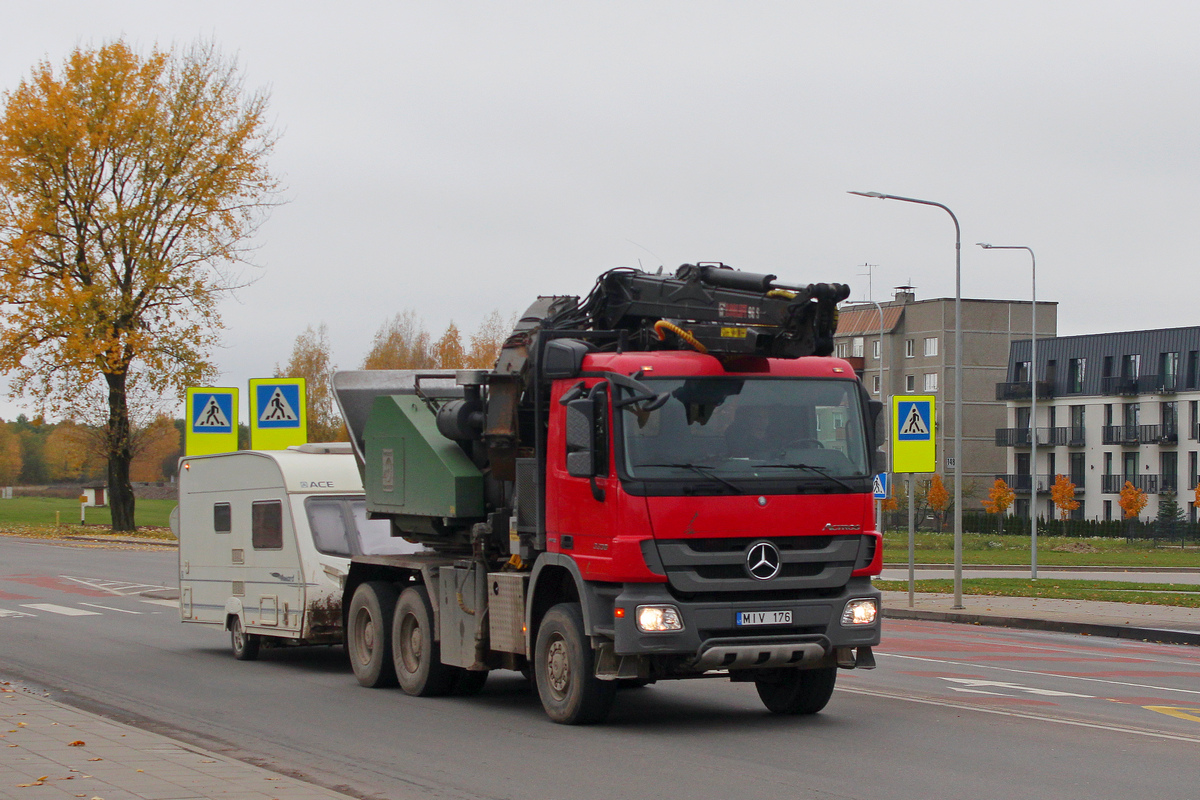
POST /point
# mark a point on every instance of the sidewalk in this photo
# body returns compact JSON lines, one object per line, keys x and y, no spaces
{"x":69,"y":753}
{"x":1167,"y":624}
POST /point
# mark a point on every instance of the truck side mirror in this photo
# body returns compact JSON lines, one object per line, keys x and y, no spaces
{"x":580,"y":436}
{"x":878,"y":427}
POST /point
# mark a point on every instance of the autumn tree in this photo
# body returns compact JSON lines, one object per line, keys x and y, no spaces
{"x":69,"y":453}
{"x":311,"y":359}
{"x":938,"y":499}
{"x":1132,"y":500}
{"x":998,"y":501}
{"x":487,"y":341}
{"x":1063,"y":495}
{"x":156,"y":442}
{"x":400,"y":343}
{"x":128,"y":184}
{"x":448,"y":351}
{"x":11,"y":460}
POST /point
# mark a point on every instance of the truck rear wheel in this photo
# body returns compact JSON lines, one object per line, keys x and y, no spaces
{"x":245,"y":645}
{"x":369,"y":634}
{"x":415,"y":653}
{"x":564,"y":664}
{"x":796,"y":691}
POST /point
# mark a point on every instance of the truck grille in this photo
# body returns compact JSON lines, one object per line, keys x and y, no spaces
{"x":719,"y":564}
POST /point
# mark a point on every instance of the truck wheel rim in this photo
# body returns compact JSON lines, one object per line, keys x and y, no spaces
{"x":366,"y":635}
{"x":558,"y":667}
{"x":410,"y":639}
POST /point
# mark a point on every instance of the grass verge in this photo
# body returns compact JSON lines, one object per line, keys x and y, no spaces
{"x":938,"y":548}
{"x":27,"y":513}
{"x":1156,"y":594}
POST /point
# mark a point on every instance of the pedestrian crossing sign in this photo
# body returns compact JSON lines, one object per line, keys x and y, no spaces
{"x":277,"y":416}
{"x":913,"y":444}
{"x":879,"y":486}
{"x":212,"y":421}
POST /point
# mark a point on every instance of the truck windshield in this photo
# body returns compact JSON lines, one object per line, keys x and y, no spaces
{"x":728,"y":430}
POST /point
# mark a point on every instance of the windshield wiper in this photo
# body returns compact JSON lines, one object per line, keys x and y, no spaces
{"x":822,"y":471}
{"x":699,"y":470}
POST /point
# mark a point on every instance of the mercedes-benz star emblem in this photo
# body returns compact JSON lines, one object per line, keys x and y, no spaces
{"x":762,"y":561}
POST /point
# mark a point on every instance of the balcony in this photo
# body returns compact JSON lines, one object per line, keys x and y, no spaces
{"x":1052,"y":437}
{"x":1019,"y":390}
{"x":1146,"y":384}
{"x":1012,"y":437}
{"x":1113,"y":484}
{"x":1020,"y":483}
{"x":1076,"y":437}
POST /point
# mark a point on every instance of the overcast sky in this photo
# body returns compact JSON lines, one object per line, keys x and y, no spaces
{"x":455,"y":158}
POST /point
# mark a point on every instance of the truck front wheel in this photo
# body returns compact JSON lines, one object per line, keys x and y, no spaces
{"x":369,"y":634}
{"x":796,"y":691}
{"x":415,"y":652}
{"x":565,"y":667}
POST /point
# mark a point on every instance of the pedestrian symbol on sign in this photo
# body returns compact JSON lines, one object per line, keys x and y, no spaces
{"x":214,"y":414}
{"x":278,"y":409}
{"x":914,"y":425}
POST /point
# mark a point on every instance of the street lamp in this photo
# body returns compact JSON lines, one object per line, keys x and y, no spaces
{"x":958,"y":417}
{"x":1032,"y":404}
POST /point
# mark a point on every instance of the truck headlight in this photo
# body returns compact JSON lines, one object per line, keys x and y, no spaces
{"x":658,"y":619}
{"x":861,"y":611}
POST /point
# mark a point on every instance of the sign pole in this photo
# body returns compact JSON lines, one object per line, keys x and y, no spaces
{"x":912,"y":560}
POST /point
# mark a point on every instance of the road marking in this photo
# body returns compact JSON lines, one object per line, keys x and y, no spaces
{"x":1192,"y":714}
{"x":1023,"y":715}
{"x":1041,"y":674}
{"x":168,"y":603}
{"x":1016,"y":687}
{"x":66,"y":611}
{"x":6,"y":612}
{"x":119,"y":588}
{"x":110,"y":608}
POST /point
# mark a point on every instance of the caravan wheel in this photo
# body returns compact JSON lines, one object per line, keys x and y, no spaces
{"x":245,"y":645}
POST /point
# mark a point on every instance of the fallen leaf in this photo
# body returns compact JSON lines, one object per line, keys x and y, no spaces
{"x":77,"y":743}
{"x":95,"y":759}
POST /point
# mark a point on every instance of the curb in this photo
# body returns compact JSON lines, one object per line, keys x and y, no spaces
{"x":1159,"y":635}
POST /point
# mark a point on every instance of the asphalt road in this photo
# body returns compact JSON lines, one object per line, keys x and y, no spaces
{"x":952,"y":711}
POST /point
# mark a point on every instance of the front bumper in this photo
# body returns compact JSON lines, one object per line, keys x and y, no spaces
{"x":712,"y":637}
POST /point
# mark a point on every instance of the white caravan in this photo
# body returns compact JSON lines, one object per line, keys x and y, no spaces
{"x":265,"y":539}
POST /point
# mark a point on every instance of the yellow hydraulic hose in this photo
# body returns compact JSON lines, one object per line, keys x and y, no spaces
{"x":662,"y":326}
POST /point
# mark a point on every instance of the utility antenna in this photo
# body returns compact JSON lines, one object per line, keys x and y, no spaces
{"x":870,"y":280}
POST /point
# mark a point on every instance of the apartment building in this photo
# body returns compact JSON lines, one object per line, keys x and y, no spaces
{"x":1111,"y":408}
{"x":915,"y":355}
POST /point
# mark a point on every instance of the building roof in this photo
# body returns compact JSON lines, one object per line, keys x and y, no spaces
{"x":865,"y":319}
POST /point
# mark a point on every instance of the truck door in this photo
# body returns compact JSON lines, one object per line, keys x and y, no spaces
{"x":580,"y":519}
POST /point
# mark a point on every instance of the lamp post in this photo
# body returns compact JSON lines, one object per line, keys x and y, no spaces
{"x":958,"y":417}
{"x":1033,"y":487}
{"x":882,"y":396}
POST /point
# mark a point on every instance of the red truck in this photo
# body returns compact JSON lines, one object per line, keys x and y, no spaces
{"x":670,"y":478}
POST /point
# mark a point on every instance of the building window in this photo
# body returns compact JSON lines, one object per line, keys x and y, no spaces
{"x":1193,"y":367}
{"x":1168,"y":462}
{"x":1076,"y":368}
{"x":1021,"y":372}
{"x":931,"y":346}
{"x":874,"y":384}
{"x":1108,"y":464}
{"x":1131,"y":365}
{"x":1108,"y":510}
{"x":857,"y":350}
{"x":842,"y":350}
{"x":1108,"y":367}
{"x":1168,"y":370}
{"x":1132,"y":415}
{"x":1170,"y":420}
{"x":931,"y":381}
{"x":875,"y":349}
{"x":910,"y":383}
{"x":1193,"y":418}
{"x":909,"y":348}
{"x":1078,"y":468}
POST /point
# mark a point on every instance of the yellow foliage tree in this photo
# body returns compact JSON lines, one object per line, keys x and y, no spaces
{"x":11,"y":460}
{"x":1063,"y":495}
{"x":400,"y":343}
{"x":1132,"y":501}
{"x":998,"y":501}
{"x":127,"y":183}
{"x":69,"y":453}
{"x":155,"y":444}
{"x":938,"y":499}
{"x":312,"y":361}
{"x":448,"y":351}
{"x":487,"y":341}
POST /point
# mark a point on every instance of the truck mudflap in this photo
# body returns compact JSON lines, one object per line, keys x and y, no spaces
{"x":762,"y":652}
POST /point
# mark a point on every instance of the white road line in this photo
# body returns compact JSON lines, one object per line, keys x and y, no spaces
{"x":1022,"y":715}
{"x":66,"y":611}
{"x":7,"y":612}
{"x":1043,"y":674}
{"x":168,"y":603}
{"x":110,"y":608}
{"x":119,"y":588}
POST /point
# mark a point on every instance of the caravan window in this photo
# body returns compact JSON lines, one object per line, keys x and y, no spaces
{"x":327,"y":518}
{"x":222,"y":518}
{"x":266,"y":525}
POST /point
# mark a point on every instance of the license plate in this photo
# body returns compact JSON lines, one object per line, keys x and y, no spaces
{"x":764,"y":618}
